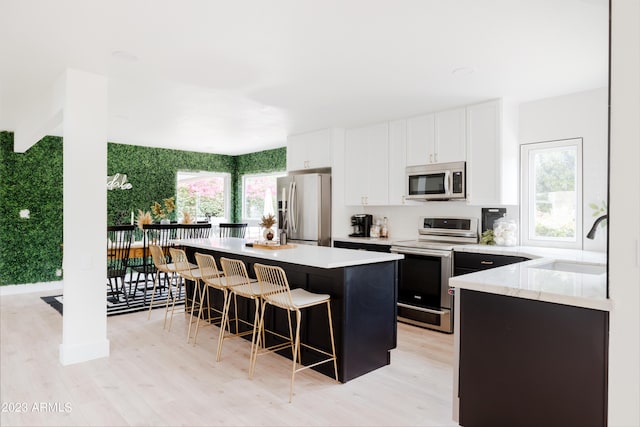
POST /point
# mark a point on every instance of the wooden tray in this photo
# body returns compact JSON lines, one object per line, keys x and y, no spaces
{"x":273,"y":247}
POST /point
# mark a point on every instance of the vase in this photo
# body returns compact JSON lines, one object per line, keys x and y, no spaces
{"x":268,"y":234}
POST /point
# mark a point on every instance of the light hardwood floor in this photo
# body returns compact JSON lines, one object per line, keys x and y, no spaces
{"x":153,"y":377}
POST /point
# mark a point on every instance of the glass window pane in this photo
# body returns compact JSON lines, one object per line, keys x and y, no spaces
{"x":554,"y":197}
{"x":202,"y":194}
{"x":259,"y":196}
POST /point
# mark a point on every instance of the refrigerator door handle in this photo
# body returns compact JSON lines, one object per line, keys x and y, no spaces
{"x":292,"y":207}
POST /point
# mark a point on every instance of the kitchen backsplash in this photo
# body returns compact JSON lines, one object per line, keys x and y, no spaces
{"x":405,"y":220}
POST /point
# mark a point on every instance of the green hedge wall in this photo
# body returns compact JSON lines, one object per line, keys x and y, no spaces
{"x":152,"y":173}
{"x":31,"y":251}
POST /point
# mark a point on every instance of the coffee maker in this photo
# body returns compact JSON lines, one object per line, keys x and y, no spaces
{"x":361,"y":224}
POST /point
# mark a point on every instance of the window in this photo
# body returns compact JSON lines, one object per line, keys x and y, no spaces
{"x":551,"y":196}
{"x":205,"y":195}
{"x":259,"y":197}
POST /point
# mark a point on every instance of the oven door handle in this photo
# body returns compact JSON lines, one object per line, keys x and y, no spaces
{"x":424,"y":252}
{"x":426,"y":310}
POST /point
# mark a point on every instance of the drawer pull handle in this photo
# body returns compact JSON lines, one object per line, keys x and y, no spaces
{"x":486,"y":262}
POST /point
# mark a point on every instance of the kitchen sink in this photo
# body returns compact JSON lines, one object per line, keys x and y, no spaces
{"x":574,"y":267}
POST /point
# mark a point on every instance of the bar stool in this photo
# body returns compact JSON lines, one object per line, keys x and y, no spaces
{"x":239,"y":284}
{"x":211,"y":278}
{"x":275,"y":291}
{"x":162,"y":266}
{"x":187,"y":271}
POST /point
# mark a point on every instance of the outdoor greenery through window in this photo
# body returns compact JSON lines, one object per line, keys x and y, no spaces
{"x":552,"y":193}
{"x":259,"y":195}
{"x":205,"y":195}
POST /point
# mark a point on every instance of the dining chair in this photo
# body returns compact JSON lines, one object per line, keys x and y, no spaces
{"x":233,"y":229}
{"x":276,"y":292}
{"x":143,"y":266}
{"x":194,"y":231}
{"x":118,"y":247}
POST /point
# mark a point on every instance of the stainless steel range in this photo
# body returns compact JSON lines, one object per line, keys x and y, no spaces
{"x":423,"y":279}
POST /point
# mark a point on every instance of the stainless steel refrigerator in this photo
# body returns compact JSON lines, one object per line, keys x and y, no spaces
{"x":304,"y":208}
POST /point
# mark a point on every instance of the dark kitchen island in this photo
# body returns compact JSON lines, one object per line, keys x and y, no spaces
{"x":363,"y":289}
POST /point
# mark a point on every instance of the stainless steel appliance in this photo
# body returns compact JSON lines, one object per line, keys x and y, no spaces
{"x":304,"y":208}
{"x":423,"y":278}
{"x":361,"y":224}
{"x":440,"y":181}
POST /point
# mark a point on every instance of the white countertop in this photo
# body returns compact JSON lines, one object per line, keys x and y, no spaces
{"x":537,"y":252}
{"x":313,"y":256}
{"x":527,"y":280}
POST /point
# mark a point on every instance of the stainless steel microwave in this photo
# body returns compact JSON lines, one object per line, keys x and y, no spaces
{"x":438,"y":181}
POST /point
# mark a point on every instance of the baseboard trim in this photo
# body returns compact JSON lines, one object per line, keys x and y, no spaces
{"x":78,"y":353}
{"x":30,"y":288}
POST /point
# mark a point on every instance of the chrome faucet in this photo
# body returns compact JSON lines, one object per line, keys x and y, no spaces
{"x":592,"y":233}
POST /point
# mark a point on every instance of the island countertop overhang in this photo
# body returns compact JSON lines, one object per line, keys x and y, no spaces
{"x":307,"y":255}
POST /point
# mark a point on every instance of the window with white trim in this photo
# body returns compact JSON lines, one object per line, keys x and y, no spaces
{"x":205,"y":195}
{"x":259,"y":197}
{"x":551,"y":193}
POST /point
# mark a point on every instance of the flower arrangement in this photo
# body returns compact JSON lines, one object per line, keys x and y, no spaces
{"x":160,"y":211}
{"x":268,"y":221}
{"x":186,"y":217}
{"x":143,"y":218}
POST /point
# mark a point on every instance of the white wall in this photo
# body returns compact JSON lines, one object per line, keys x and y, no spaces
{"x":624,"y":197}
{"x":580,"y":115}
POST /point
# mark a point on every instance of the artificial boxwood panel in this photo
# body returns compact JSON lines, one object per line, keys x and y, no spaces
{"x":30,"y":251}
{"x":260,"y":162}
{"x":152,"y":174}
{"x":31,"y":248}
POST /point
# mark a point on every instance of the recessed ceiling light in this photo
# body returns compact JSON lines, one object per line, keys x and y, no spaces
{"x":463,"y":71}
{"x":124,"y":55}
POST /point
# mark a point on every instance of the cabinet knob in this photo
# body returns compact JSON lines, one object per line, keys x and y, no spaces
{"x":486,"y":262}
{"x":430,"y":158}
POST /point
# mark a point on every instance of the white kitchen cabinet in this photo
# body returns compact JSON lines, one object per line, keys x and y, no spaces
{"x":492,"y":154}
{"x":451,"y":136}
{"x":398,"y":158}
{"x":437,"y":138}
{"x":420,"y":140}
{"x":310,"y":150}
{"x":367,"y":165}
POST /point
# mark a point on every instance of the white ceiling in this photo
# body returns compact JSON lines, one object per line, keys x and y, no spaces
{"x":233,"y":77}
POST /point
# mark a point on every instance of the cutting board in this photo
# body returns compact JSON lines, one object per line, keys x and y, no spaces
{"x":273,"y":247}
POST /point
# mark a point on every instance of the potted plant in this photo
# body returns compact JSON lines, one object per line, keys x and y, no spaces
{"x":268,"y":222}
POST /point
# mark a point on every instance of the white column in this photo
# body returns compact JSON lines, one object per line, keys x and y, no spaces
{"x":624,"y":214}
{"x":84,"y":325}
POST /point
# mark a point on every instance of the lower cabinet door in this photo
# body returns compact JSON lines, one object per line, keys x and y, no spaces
{"x":531,"y":363}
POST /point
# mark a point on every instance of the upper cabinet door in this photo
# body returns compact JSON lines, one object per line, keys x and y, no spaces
{"x":492,"y":166}
{"x":451,"y":136}
{"x":437,"y":138}
{"x":421,"y":140}
{"x":309,"y":150}
{"x":367,"y":165}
